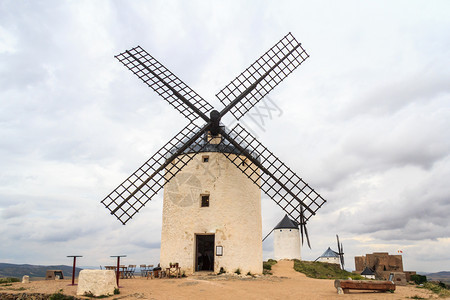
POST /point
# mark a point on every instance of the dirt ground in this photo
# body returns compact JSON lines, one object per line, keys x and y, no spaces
{"x":285,"y":283}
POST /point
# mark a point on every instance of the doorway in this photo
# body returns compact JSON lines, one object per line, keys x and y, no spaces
{"x":204,"y":253}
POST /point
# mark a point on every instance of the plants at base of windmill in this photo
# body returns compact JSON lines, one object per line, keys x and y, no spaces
{"x":90,"y":295}
{"x":221,"y":271}
{"x":267,"y":266}
{"x":250,"y":274}
{"x":116,"y":291}
{"x":238,"y":271}
{"x":183,"y":274}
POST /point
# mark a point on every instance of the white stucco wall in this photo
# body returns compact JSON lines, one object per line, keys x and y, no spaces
{"x":233,"y":215}
{"x":286,"y":243}
{"x":330,"y":260}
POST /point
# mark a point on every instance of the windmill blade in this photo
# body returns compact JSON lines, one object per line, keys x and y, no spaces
{"x":277,"y":181}
{"x":165,"y":83}
{"x":338,"y":245}
{"x":130,"y":196}
{"x":340,"y":251}
{"x":306,"y":235}
{"x":247,"y":89}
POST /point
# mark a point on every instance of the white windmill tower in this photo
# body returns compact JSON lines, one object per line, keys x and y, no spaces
{"x":213,"y":176}
{"x":286,"y":240}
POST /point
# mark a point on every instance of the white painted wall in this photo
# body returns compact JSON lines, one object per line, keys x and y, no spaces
{"x":233,"y":215}
{"x":330,"y":260}
{"x":286,"y":244}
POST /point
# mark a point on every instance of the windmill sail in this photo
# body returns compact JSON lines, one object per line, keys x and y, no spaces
{"x":277,"y":180}
{"x":165,"y":83}
{"x":266,"y":73}
{"x":132,"y":194}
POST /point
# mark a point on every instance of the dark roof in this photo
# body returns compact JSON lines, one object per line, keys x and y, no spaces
{"x":200,"y":145}
{"x":286,"y":223}
{"x":367,"y":271}
{"x":330,"y":253}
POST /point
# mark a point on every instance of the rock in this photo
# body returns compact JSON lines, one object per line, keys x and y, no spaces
{"x":96,"y":282}
{"x":26,"y":279}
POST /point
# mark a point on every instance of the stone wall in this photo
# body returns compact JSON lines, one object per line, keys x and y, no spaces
{"x":233,"y":215}
{"x":380,"y":262}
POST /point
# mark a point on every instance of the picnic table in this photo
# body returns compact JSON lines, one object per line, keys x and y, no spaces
{"x":124,"y":271}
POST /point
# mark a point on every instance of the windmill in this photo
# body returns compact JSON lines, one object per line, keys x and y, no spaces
{"x":340,"y":252}
{"x":167,"y":167}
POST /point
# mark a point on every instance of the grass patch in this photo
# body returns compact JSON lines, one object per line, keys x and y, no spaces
{"x":60,"y":296}
{"x":415,"y":297}
{"x":323,"y":270}
{"x":9,"y":280}
{"x":439,"y":289}
{"x":267,"y":266}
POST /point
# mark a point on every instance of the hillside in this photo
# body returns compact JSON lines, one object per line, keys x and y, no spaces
{"x":443,"y":276}
{"x":13,"y":270}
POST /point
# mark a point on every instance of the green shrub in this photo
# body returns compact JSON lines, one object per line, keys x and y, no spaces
{"x":60,"y":296}
{"x":437,"y":289}
{"x":221,"y":271}
{"x":419,"y":279}
{"x":9,"y":280}
{"x":116,"y":291}
{"x":238,"y":271}
{"x":267,"y":265}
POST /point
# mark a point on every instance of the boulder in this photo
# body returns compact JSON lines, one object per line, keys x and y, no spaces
{"x":96,"y":282}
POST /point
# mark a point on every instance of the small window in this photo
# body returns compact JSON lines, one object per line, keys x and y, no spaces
{"x":205,"y":158}
{"x":205,"y":200}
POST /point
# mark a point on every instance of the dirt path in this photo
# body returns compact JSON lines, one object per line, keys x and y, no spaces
{"x":285,"y":283}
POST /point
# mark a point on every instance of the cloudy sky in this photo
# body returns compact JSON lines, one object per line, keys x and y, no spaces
{"x":365,"y":120}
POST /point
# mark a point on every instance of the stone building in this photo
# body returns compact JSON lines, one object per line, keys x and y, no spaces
{"x":381,"y":263}
{"x":212,"y":217}
{"x":385,"y":266}
{"x":286,"y":240}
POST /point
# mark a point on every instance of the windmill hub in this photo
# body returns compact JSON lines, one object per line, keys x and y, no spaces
{"x":214,"y":128}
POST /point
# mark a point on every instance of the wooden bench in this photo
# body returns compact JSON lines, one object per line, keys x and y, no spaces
{"x":343,"y":286}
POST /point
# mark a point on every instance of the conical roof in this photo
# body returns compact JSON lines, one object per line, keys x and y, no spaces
{"x":286,"y":223}
{"x":330,"y":253}
{"x":367,"y":271}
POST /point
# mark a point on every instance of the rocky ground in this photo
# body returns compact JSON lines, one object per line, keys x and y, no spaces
{"x":285,"y":283}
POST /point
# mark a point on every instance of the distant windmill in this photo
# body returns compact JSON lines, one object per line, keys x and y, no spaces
{"x":199,"y":212}
{"x":333,"y":257}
